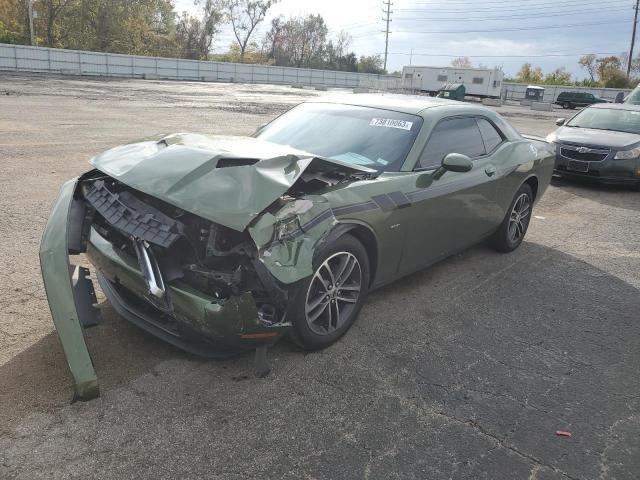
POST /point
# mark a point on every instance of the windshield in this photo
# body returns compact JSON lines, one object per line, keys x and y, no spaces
{"x":371,"y":137}
{"x":608,"y":119}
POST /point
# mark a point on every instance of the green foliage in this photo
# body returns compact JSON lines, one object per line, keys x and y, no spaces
{"x":152,"y":28}
{"x":558,"y":77}
{"x":370,"y":64}
{"x":528,"y":74}
{"x":616,"y":78}
{"x":7,"y":36}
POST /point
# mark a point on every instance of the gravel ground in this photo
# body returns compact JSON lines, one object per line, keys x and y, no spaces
{"x":465,"y":370}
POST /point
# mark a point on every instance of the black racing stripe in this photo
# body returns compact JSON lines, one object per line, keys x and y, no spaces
{"x":400,"y":199}
{"x":317,"y":219}
{"x":356,"y":207}
{"x":384,"y":202}
{"x":432,"y":191}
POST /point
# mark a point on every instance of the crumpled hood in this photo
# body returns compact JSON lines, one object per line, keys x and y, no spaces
{"x":590,"y":136}
{"x":193,"y":172}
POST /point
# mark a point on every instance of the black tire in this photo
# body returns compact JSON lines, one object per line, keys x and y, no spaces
{"x":503,"y":240}
{"x":302,"y":332}
{"x":566,"y":105}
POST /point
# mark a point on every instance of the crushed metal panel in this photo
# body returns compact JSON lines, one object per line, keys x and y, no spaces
{"x":54,"y":262}
{"x":183,"y":171}
{"x":290,"y":259}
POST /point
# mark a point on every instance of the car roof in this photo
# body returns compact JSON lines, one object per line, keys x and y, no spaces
{"x":617,"y":106}
{"x":411,"y":104}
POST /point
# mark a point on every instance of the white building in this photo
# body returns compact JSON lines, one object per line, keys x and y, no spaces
{"x":479,"y":82}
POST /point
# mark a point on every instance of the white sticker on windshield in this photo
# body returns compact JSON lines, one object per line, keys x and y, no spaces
{"x":390,"y":123}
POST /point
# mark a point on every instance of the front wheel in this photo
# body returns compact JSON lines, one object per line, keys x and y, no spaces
{"x":516,"y":223}
{"x":323,"y":306}
{"x":566,"y":106}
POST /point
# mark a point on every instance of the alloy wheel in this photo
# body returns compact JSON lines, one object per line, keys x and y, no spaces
{"x":518,"y":219}
{"x":333,"y":293}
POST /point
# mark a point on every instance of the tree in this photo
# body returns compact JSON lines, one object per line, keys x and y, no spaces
{"x":52,"y":10}
{"x":606,"y":65}
{"x":371,"y":64}
{"x":195,"y":35}
{"x":298,"y":42}
{"x":461,"y":62}
{"x":137,"y":27}
{"x":616,"y":79}
{"x":588,"y":62}
{"x":559,"y":76}
{"x":7,"y":36}
{"x":14,"y":22}
{"x":528,"y":74}
{"x":624,"y":61}
{"x":244,"y":16}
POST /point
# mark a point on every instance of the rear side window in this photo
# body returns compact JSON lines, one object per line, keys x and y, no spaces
{"x":490,"y":134}
{"x":455,"y":135}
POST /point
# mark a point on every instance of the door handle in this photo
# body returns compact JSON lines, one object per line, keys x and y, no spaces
{"x":490,"y":170}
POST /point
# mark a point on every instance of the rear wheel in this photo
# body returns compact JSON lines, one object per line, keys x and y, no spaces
{"x":324,"y":305}
{"x":515,"y":224}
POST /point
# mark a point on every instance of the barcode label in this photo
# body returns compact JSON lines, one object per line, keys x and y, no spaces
{"x":390,"y":123}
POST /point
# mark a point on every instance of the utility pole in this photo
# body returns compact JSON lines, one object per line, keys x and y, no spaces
{"x":633,"y":38}
{"x":387,"y":18}
{"x":411,"y":57}
{"x":30,"y":13}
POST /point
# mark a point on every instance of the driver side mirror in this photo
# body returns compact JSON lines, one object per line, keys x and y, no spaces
{"x":560,"y":122}
{"x":453,"y":162}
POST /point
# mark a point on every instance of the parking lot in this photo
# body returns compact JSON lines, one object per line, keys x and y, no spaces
{"x":464,"y":370}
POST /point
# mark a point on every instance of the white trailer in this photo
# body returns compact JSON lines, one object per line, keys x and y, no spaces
{"x":478,"y":82}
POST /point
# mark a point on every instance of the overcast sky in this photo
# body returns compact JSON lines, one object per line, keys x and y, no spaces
{"x":491,"y":32}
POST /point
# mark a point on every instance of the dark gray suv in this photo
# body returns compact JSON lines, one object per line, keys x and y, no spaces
{"x":602,"y":142}
{"x":577,"y":99}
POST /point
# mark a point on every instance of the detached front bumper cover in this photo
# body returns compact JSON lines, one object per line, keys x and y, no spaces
{"x":69,"y":291}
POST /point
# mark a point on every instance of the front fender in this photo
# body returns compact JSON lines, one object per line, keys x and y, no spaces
{"x":291,"y":259}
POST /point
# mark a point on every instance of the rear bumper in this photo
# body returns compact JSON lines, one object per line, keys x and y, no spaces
{"x":197,"y":322}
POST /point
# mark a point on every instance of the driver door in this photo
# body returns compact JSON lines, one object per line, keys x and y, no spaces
{"x":459,"y":209}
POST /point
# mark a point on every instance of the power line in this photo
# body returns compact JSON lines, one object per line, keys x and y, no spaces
{"x":545,"y":55}
{"x":526,"y":16}
{"x":519,"y":8}
{"x":493,"y":30}
{"x":522,"y":4}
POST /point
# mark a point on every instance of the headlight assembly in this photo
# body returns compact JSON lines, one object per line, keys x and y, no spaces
{"x":628,"y":154}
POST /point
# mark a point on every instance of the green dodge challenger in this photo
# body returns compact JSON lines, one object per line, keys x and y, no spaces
{"x":218,"y":244}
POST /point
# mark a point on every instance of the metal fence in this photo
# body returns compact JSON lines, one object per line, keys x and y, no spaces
{"x":516,"y":91}
{"x":23,"y":58}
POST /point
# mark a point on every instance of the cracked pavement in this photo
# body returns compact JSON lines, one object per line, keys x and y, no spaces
{"x":465,"y":370}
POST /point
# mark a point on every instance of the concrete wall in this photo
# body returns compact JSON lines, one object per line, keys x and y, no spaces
{"x":515,"y":91}
{"x":23,"y":58}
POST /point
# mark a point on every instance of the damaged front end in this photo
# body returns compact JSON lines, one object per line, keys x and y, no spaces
{"x":205,"y":287}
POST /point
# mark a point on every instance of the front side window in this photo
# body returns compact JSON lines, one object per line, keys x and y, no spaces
{"x":371,"y":137}
{"x":491,"y":136}
{"x":454,"y":135}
